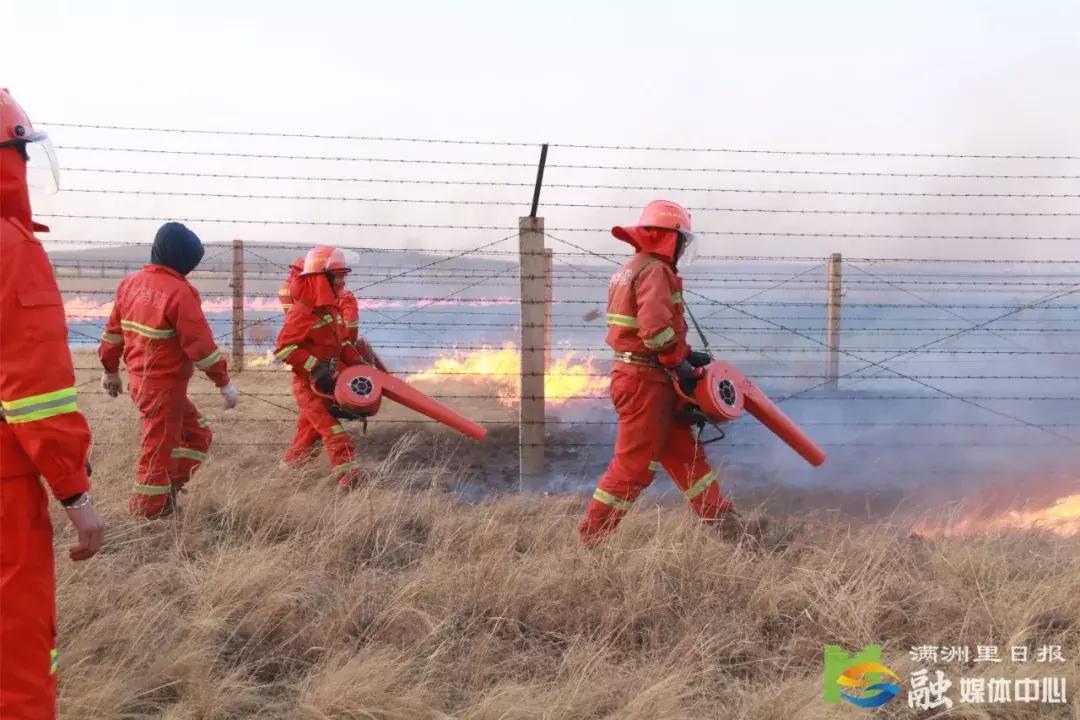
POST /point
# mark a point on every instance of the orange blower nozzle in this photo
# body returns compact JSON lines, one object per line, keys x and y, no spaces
{"x":361,"y":388}
{"x":723,"y":392}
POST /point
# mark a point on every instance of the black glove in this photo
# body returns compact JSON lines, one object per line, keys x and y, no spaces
{"x":342,"y":414}
{"x":699,"y":358}
{"x":684,"y":371}
{"x":322,"y":377}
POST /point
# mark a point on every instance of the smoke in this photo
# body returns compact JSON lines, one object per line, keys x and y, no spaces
{"x":942,"y":422}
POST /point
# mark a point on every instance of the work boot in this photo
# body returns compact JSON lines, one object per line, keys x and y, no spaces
{"x":352,"y":480}
{"x":140,"y":507}
{"x":733,"y":528}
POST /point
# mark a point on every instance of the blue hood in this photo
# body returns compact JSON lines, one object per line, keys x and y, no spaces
{"x":177,"y":248}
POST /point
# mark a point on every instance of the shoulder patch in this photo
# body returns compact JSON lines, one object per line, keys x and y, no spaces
{"x":622,"y":276}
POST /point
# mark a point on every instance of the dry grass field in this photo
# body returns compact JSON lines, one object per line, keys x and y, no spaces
{"x":276,"y":595}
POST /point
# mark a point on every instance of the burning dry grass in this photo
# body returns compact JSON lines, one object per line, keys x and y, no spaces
{"x":499,"y":369}
{"x":276,"y":596}
{"x":1060,"y":515}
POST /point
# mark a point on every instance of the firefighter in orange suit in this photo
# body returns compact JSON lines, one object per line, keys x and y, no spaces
{"x":647,"y":331}
{"x":350,"y":313}
{"x":285,"y":291}
{"x":314,"y":342}
{"x":158,"y":327}
{"x":42,"y":435}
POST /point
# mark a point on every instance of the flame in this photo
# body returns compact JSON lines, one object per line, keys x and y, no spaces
{"x":1061,"y":518}
{"x":479,"y":302}
{"x":499,"y":368}
{"x":83,"y":308}
{"x":262,"y":360}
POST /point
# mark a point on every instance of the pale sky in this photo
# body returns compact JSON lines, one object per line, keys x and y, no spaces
{"x":955,"y":77}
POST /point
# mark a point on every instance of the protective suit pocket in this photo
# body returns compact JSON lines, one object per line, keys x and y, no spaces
{"x":624,"y":392}
{"x":37,"y":298}
{"x":24,"y":516}
{"x":43,"y":314}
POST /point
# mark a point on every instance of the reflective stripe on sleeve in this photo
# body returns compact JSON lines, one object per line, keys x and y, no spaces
{"x":310,"y":363}
{"x":337,"y":429}
{"x":147,"y":331}
{"x":285,"y":351}
{"x":607,"y":498}
{"x":326,"y":320}
{"x":203,"y":422}
{"x":353,"y":323}
{"x":188,"y":454}
{"x":112,"y":338}
{"x":700,"y":486}
{"x":284,"y":292}
{"x":209,"y":360}
{"x":621,"y":320}
{"x":676,"y":298}
{"x":660,"y":339}
{"x":40,"y":407}
{"x":655,"y":465}
{"x":54,"y":661}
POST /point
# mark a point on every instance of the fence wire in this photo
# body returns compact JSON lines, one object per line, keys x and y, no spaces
{"x":438,"y":279}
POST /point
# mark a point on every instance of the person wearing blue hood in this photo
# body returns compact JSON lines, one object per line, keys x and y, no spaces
{"x":158,"y":328}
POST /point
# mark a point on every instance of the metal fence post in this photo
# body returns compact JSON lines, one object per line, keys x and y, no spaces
{"x":834,"y":292}
{"x":237,"y":285}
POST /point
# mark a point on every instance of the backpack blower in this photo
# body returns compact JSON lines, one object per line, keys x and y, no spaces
{"x":722,"y":393}
{"x":359,"y":390}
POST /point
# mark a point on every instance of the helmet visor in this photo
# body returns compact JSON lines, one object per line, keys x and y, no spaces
{"x":689,"y":250}
{"x":352,"y":258}
{"x":42,"y":170}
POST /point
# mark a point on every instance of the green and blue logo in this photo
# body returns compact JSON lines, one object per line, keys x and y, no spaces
{"x":861,"y":679}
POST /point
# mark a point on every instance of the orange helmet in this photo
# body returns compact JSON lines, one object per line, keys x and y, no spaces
{"x":666,"y":215}
{"x":15,"y":126}
{"x":16,"y":130}
{"x":662,"y":215}
{"x":324,"y":258}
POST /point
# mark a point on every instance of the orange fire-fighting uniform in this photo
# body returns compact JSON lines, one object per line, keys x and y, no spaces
{"x":350,"y":312}
{"x":647,"y":331}
{"x":157,"y":325}
{"x":42,"y":435}
{"x":306,"y":434}
{"x":315,"y":331}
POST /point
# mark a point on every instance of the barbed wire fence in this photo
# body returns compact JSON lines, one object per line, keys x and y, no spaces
{"x":929,"y":347}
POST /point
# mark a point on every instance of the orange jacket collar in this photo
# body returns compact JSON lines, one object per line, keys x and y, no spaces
{"x":151,"y":267}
